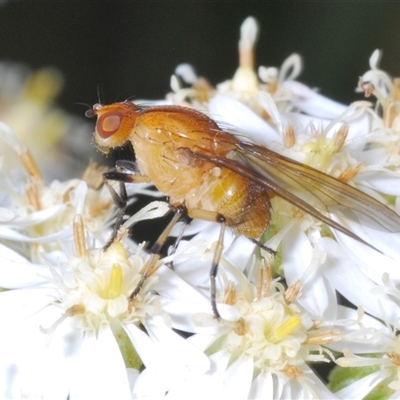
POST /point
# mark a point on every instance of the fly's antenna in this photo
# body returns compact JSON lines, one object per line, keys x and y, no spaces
{"x":99,"y":94}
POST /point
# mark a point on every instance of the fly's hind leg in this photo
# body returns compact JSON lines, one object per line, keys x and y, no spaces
{"x":214,"y":267}
{"x":213,"y":217}
{"x":121,"y":199}
{"x":262,"y":246}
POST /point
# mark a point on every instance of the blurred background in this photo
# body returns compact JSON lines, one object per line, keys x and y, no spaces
{"x":112,"y":51}
{"x":131,"y":48}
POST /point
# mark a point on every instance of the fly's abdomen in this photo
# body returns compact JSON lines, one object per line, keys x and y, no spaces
{"x":244,"y":205}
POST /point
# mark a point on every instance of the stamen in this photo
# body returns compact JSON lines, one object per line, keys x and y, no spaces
{"x":75,"y":310}
{"x":264,"y":280}
{"x":293,"y":291}
{"x":29,"y":164}
{"x":366,"y":87}
{"x":340,"y":137}
{"x":292,"y":371}
{"x":349,"y":173}
{"x":394,"y":357}
{"x":289,"y":138}
{"x":324,"y":338}
{"x":240,"y":328}
{"x":32,"y":193}
{"x":396,"y":89}
{"x":230,"y":293}
{"x":79,"y":237}
{"x":93,"y":175}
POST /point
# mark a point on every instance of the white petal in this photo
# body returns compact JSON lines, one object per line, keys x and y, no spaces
{"x":297,"y":253}
{"x":367,"y":258}
{"x":155,"y":209}
{"x":263,"y":387}
{"x":17,"y":272}
{"x":320,"y":391}
{"x":203,"y":386}
{"x":22,"y":303}
{"x":177,"y":348}
{"x":6,"y":215}
{"x":238,"y":378}
{"x":311,"y":102}
{"x":77,"y":197}
{"x":187,"y":73}
{"x":384,"y":182}
{"x":226,"y":110}
{"x":10,"y":234}
{"x":36,"y":217}
{"x":352,"y":283}
{"x":99,"y":370}
{"x":240,"y":252}
{"x":144,"y":346}
{"x":28,"y":366}
{"x":359,"y":389}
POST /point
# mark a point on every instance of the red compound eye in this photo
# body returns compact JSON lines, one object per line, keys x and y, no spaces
{"x":108,"y":124}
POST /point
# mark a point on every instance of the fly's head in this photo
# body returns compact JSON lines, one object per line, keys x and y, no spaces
{"x":115,"y":123}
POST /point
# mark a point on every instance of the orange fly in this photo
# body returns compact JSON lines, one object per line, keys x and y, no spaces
{"x":215,"y":176}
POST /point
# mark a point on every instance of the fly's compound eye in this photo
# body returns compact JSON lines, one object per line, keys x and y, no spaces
{"x":108,"y":124}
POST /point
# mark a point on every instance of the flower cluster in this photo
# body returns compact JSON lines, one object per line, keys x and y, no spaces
{"x":79,"y":321}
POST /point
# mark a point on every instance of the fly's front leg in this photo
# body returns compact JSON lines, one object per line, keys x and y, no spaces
{"x":121,"y":199}
{"x":185,"y":222}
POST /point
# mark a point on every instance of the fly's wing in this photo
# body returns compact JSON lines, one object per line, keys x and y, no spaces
{"x":292,"y":181}
{"x":305,"y":187}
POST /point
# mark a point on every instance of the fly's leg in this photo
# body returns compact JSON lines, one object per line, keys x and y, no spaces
{"x":149,"y":267}
{"x":121,"y":199}
{"x":261,"y":246}
{"x":186,"y":221}
{"x":213,"y":217}
{"x":214,"y":268}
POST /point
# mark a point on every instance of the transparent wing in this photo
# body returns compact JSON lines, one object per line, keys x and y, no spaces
{"x":291,"y":180}
{"x":307,"y":188}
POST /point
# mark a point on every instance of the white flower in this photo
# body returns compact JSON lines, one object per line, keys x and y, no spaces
{"x":381,"y":363}
{"x":71,"y":325}
{"x":67,"y":321}
{"x":70,"y":328}
{"x":262,"y":346}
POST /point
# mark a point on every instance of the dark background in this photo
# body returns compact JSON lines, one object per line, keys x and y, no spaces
{"x":131,"y":48}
